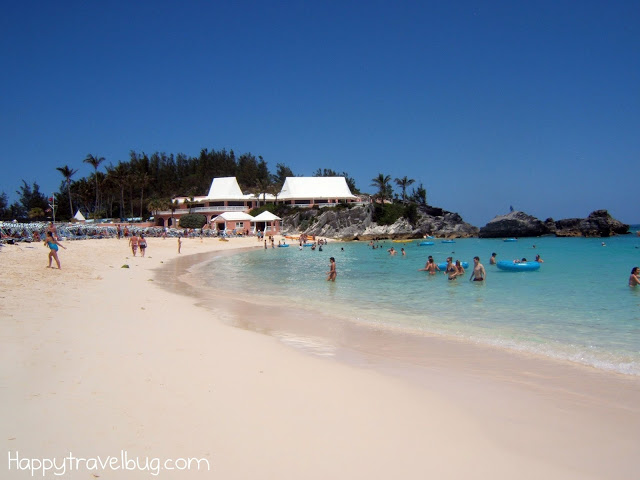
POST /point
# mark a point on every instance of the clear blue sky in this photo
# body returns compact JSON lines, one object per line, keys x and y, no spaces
{"x":487,"y":103}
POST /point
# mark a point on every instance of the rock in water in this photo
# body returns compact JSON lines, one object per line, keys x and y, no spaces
{"x":514,"y":224}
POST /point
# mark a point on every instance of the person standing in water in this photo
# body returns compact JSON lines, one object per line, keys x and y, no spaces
{"x":478,"y":274}
{"x":53,"y":245}
{"x":430,"y":267}
{"x":332,"y":270}
{"x":634,"y":278}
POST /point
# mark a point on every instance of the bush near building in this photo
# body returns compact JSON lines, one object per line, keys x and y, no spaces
{"x":193,"y":220}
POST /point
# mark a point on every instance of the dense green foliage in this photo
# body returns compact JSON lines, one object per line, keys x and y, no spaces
{"x":389,"y":213}
{"x":193,"y":220}
{"x":145,"y":184}
{"x":279,"y":209}
{"x":31,"y":204}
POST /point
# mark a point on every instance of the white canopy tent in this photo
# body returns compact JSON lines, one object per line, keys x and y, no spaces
{"x":268,"y":218}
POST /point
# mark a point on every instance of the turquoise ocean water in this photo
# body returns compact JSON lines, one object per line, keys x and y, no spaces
{"x":577,"y":307}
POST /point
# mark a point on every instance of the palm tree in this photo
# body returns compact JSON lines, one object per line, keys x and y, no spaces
{"x":67,"y":173}
{"x":143,"y":180}
{"x":382,"y":183}
{"x":403,"y":183}
{"x":420,"y":195}
{"x":263,"y":187}
{"x":154,"y":205}
{"x":173,"y":206}
{"x":95,"y":163}
{"x":119,"y":176}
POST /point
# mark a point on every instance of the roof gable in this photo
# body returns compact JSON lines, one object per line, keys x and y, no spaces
{"x":225,"y":188}
{"x":266,"y":216}
{"x":234,"y":217}
{"x":315,"y":187}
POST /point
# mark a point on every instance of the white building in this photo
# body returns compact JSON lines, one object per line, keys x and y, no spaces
{"x":310,"y":191}
{"x":225,"y":196}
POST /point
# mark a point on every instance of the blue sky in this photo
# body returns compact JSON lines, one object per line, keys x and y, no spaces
{"x":488,"y":104}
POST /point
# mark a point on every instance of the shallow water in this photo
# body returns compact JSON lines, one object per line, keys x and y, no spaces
{"x":577,"y":307}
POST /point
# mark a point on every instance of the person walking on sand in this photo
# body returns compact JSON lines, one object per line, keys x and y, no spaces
{"x":634,"y":278}
{"x":142,"y":243}
{"x":478,"y":274}
{"x":53,"y":245}
{"x":332,"y":270}
{"x":133,"y":241}
{"x":179,"y":242}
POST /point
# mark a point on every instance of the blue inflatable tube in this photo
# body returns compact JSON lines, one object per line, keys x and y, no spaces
{"x":510,"y":240}
{"x":443,"y":266}
{"x":282,"y":246}
{"x":518,"y":267}
{"x":424,"y":244}
{"x":447,"y":241}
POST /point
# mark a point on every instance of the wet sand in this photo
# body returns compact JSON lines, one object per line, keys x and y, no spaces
{"x":97,"y":359}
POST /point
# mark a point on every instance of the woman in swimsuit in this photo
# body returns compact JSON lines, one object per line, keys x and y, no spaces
{"x":142,"y":243}
{"x":332,"y":270}
{"x":53,"y":244}
{"x":457,"y":270}
{"x":634,"y":278}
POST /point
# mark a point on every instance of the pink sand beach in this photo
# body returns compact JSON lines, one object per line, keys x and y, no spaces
{"x":102,"y":365}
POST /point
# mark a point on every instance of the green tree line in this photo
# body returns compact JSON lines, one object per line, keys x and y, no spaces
{"x":146,"y":183}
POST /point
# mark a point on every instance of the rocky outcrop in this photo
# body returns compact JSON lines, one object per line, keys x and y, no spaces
{"x":597,"y":224}
{"x":332,"y":223}
{"x":514,"y":224}
{"x":357,"y":223}
{"x":519,"y":224}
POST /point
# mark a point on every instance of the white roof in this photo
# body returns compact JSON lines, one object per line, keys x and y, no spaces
{"x":226,"y":188}
{"x":315,"y":187}
{"x":266,"y":216}
{"x":78,"y":216}
{"x":188,"y":199}
{"x":234,"y":217}
{"x":267,"y":196}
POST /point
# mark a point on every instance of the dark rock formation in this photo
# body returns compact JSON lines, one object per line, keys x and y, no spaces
{"x":440,"y":223}
{"x":519,"y":224}
{"x":597,"y":224}
{"x":514,"y":224}
{"x":357,"y":223}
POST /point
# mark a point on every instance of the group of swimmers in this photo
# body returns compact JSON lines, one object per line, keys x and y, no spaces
{"x":493,"y":259}
{"x":455,"y":270}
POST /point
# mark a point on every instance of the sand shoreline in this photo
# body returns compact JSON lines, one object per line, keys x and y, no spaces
{"x":97,"y":358}
{"x":445,"y":364}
